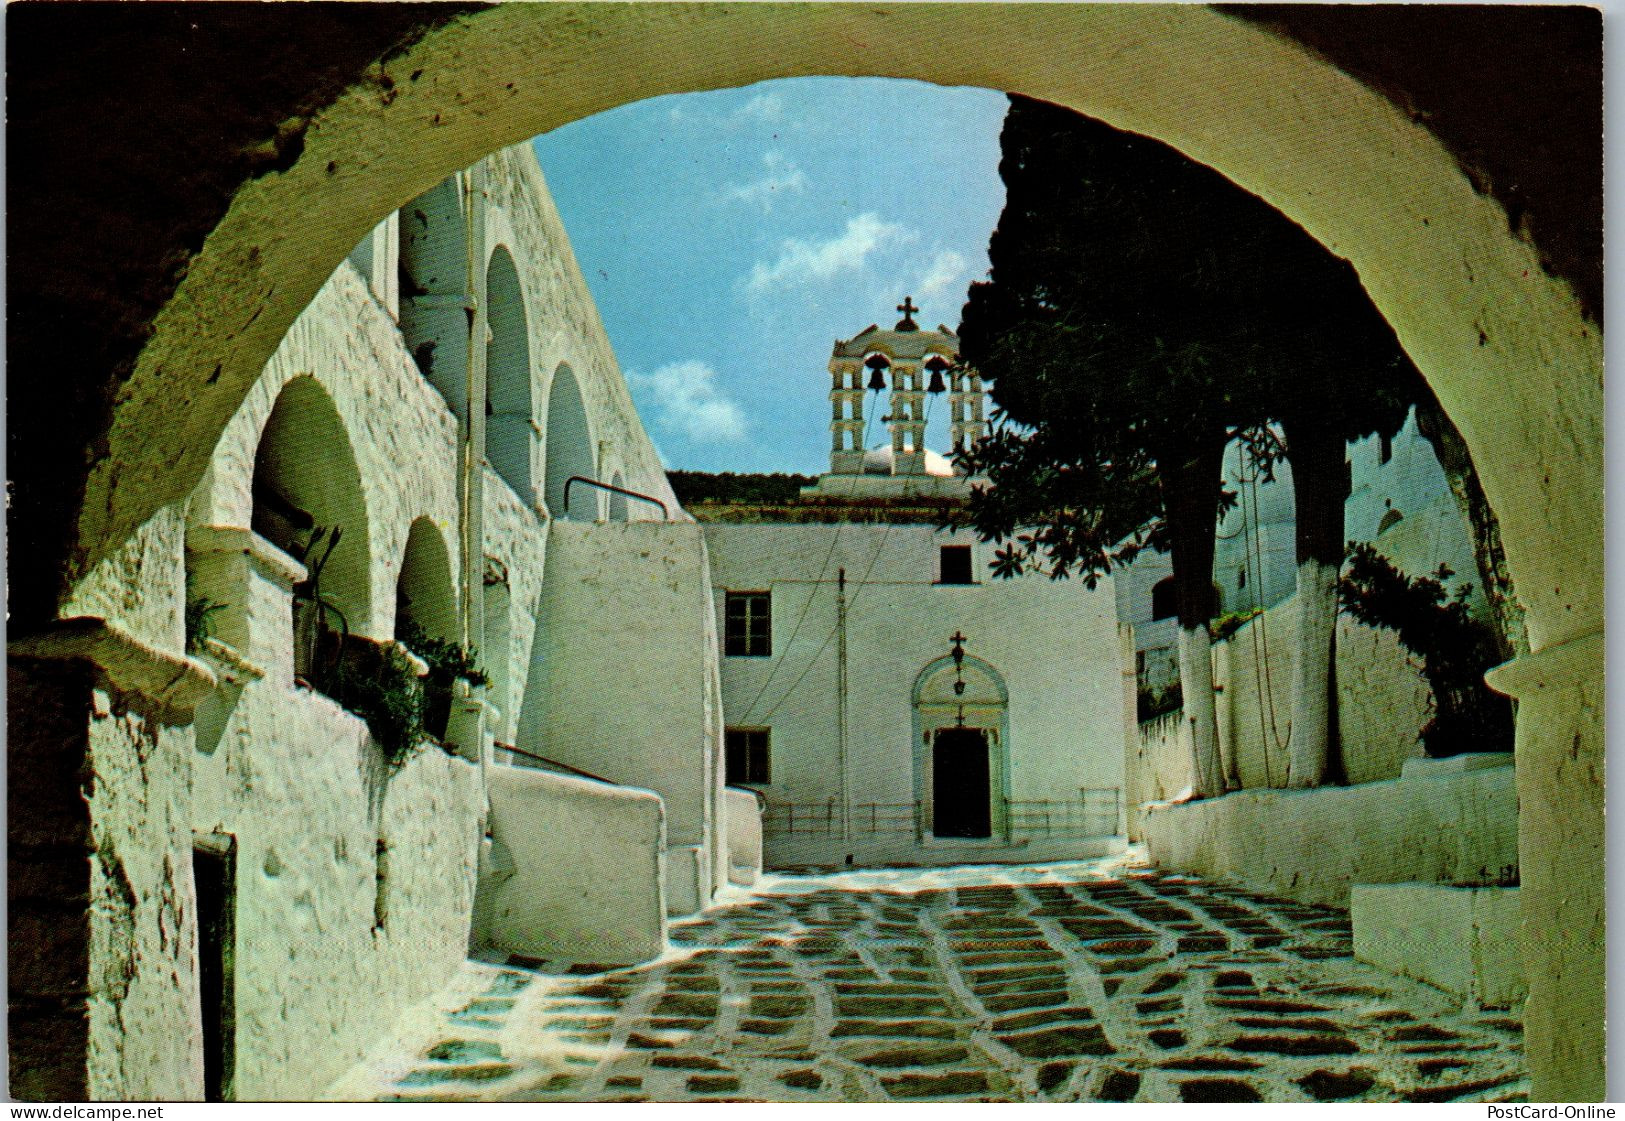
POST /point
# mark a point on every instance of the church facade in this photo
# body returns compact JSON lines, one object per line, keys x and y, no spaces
{"x":889,"y":700}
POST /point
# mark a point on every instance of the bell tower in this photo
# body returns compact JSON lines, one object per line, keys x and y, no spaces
{"x":912,"y":363}
{"x":846,"y":424}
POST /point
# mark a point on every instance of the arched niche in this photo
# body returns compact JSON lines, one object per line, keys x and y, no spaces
{"x":1164,"y":599}
{"x":510,"y":425}
{"x":306,"y":489}
{"x":425,"y":597}
{"x":569,"y":448}
{"x":434,"y":289}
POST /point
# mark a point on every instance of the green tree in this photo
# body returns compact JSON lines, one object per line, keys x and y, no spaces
{"x":1141,"y":312}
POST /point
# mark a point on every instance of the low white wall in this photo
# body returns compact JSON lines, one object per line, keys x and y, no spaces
{"x":791,"y":851}
{"x":1465,"y":940}
{"x":577,"y":869}
{"x":1315,"y":844}
{"x":744,"y":809}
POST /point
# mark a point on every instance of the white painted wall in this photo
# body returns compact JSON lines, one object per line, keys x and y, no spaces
{"x":744,"y":835}
{"x":622,"y":678}
{"x":1054,"y":643}
{"x":1315,"y":844}
{"x":575,"y":870}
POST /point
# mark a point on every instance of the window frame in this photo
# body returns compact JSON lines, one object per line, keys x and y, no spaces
{"x":755,"y":753}
{"x":752,"y":637}
{"x":968,"y":552}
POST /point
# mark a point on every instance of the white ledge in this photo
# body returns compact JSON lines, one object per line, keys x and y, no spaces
{"x":271,"y":561}
{"x":229,"y":664}
{"x":1566,"y":665}
{"x":174,"y":683}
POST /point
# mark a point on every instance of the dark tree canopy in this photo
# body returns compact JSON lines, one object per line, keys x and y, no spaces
{"x":1141,"y":308}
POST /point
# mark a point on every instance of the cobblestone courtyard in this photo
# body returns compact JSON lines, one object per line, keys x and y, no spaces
{"x":1065,"y":982}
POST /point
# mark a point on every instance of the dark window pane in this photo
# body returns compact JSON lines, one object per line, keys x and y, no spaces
{"x":956,"y":564}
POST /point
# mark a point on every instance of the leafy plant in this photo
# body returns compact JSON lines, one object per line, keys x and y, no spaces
{"x":447,"y":661}
{"x":1455,"y":648}
{"x":198,"y":630}
{"x":1153,"y":703}
{"x":1226,"y":625}
{"x":385,"y":692}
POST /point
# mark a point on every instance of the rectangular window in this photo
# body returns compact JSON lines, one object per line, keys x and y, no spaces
{"x":747,"y":625}
{"x":748,"y":754}
{"x":956,"y":565}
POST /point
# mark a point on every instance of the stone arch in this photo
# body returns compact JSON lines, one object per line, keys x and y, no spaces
{"x":1466,"y":293}
{"x":434,"y":288}
{"x":305,"y":480}
{"x":569,"y":446}
{"x":425,"y":597}
{"x":510,"y":425}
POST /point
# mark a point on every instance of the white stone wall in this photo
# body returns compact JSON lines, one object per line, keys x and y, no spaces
{"x":744,"y":836}
{"x":1382,"y":699}
{"x":1315,"y":844}
{"x":145,"y":1031}
{"x":575,"y":869}
{"x":622,"y":678}
{"x":355,"y":880}
{"x":1055,"y":644}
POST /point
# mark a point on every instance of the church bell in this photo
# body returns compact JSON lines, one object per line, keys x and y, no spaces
{"x":877,"y":365}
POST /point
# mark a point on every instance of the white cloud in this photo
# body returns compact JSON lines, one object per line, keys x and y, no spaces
{"x":686,"y":400}
{"x":801,"y":261}
{"x":763,"y":107}
{"x":782,"y":176}
{"x":945,"y":268}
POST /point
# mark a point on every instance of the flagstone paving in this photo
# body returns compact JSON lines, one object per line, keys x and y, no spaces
{"x":1089,"y":981}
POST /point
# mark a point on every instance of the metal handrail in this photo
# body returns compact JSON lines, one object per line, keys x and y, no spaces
{"x":554,"y":763}
{"x":664,"y":512}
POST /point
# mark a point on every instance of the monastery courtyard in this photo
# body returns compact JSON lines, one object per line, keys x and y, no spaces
{"x":1086,"y":981}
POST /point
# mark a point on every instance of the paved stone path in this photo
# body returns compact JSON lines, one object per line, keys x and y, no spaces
{"x":1066,"y":982}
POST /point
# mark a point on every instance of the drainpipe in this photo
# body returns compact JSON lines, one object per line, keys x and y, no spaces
{"x":472,"y":488}
{"x":840,"y":700}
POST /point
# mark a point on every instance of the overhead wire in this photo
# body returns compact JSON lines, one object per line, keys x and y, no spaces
{"x":834,"y":540}
{"x":863,"y":582}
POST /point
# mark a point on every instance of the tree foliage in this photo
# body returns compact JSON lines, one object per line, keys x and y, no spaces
{"x":1455,"y":648}
{"x":1139,"y":308}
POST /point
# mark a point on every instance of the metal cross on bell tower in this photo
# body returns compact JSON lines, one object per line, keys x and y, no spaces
{"x":908,"y":309}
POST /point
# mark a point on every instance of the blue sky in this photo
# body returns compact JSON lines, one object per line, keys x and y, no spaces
{"x":729,"y":238}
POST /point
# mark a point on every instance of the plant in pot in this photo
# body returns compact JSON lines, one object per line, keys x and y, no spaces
{"x":448,"y":662}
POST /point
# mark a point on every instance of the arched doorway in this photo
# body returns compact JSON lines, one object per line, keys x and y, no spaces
{"x":961,"y":750}
{"x":1467,"y":294}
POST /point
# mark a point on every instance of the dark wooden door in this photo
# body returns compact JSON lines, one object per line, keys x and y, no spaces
{"x":214,"y":871}
{"x":960,"y":783}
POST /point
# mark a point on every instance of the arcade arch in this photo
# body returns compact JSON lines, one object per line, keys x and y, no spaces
{"x":308,"y":501}
{"x":509,"y":427}
{"x":569,"y":448}
{"x":1467,"y":296}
